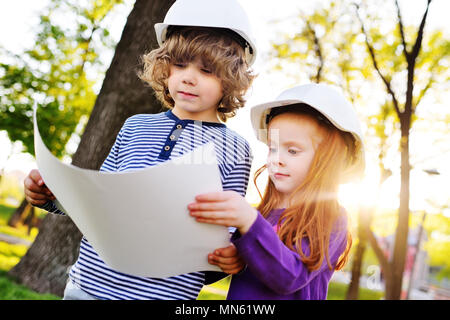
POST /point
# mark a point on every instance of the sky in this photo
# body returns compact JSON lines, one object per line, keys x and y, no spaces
{"x":18,"y":18}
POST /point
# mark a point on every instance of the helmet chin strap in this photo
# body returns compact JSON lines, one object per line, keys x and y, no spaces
{"x":248,"y":55}
{"x":163,"y":35}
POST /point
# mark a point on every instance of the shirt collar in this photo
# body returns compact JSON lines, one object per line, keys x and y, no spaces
{"x":172,"y":116}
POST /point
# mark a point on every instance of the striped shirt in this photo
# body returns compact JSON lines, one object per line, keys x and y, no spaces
{"x":147,"y":140}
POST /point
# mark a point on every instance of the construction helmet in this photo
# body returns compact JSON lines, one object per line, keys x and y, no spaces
{"x":225,"y":14}
{"x":330,"y":103}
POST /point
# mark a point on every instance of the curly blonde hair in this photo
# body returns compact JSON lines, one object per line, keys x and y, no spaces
{"x":217,"y":48}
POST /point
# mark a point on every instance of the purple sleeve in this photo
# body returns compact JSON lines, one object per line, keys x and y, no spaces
{"x":274,"y":264}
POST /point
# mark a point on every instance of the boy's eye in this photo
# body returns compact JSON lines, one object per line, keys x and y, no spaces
{"x":206,"y":70}
{"x":179,"y":65}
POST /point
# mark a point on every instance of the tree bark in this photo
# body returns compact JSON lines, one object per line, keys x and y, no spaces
{"x":19,"y":214}
{"x":363,"y":225}
{"x":353,"y":288}
{"x":416,"y":253}
{"x":401,"y":235}
{"x":44,"y":267}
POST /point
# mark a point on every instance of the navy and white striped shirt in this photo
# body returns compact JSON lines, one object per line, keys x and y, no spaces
{"x":147,"y":140}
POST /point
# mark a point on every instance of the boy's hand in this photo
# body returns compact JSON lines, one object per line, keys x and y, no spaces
{"x":227,"y":208}
{"x":227,"y":259}
{"x":36,"y":192}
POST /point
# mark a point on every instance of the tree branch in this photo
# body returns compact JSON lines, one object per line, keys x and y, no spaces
{"x":375,"y":64}
{"x":317,"y":49}
{"x":418,"y":44}
{"x":409,"y":106}
{"x":378,"y":251}
{"x":402,"y":31}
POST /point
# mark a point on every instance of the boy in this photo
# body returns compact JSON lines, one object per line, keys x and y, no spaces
{"x":201,"y":73}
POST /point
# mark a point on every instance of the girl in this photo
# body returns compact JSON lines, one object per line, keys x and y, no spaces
{"x":297,"y":236}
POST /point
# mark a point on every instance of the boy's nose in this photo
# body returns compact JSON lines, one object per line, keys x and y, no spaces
{"x":189,"y":76}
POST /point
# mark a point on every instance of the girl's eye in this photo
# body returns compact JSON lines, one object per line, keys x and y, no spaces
{"x":292,"y":151}
{"x":272,"y":149}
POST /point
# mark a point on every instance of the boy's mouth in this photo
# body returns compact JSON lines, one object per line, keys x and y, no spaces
{"x":187,"y":94}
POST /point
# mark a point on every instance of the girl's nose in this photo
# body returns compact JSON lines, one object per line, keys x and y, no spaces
{"x":280,"y":163}
{"x":275,"y":160}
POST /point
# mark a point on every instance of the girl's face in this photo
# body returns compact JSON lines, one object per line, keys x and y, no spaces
{"x":292,"y":141}
{"x":195,"y":90}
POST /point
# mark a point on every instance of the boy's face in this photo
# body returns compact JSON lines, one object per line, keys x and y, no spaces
{"x":195,"y":90}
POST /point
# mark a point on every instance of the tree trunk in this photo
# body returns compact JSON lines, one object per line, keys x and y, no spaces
{"x":363,"y":225}
{"x":30,"y":219}
{"x":416,"y":253}
{"x":45,"y":265}
{"x":19,"y":214}
{"x":401,"y":235}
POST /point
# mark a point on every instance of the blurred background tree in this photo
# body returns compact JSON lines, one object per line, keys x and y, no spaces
{"x":53,"y":75}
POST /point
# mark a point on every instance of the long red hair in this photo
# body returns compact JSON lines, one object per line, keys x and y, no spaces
{"x":314,"y":208}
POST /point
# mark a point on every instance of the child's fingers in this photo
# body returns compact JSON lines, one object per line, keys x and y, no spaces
{"x":36,"y":195}
{"x":31,"y":185}
{"x":226,"y":268}
{"x":215,"y":217}
{"x":227,"y":261}
{"x":36,"y":177}
{"x":207,"y":206}
{"x":208,"y":214}
{"x":213,"y":196}
{"x":221,"y":222}
{"x":229,"y":251}
{"x":35,"y":202}
{"x":35,"y":199}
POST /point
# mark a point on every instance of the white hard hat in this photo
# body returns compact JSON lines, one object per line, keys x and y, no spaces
{"x":326,"y":100}
{"x":227,"y":14}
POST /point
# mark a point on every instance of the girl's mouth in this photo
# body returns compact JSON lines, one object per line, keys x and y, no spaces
{"x":280,"y":175}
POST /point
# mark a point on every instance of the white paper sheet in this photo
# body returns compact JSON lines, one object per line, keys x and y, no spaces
{"x":138,"y":221}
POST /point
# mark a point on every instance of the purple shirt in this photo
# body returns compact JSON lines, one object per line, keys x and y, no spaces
{"x":275,"y":272}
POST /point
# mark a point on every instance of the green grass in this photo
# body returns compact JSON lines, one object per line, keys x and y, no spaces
{"x":5,"y":213}
{"x":336,"y":291}
{"x":10,"y":290}
{"x":10,"y":255}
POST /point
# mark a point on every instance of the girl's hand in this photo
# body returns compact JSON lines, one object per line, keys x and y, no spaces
{"x":226,"y":208}
{"x":227,"y":259}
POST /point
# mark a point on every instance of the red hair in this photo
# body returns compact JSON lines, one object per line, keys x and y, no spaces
{"x":314,"y":209}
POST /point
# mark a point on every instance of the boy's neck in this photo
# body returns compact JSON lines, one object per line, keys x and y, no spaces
{"x":200,"y":116}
